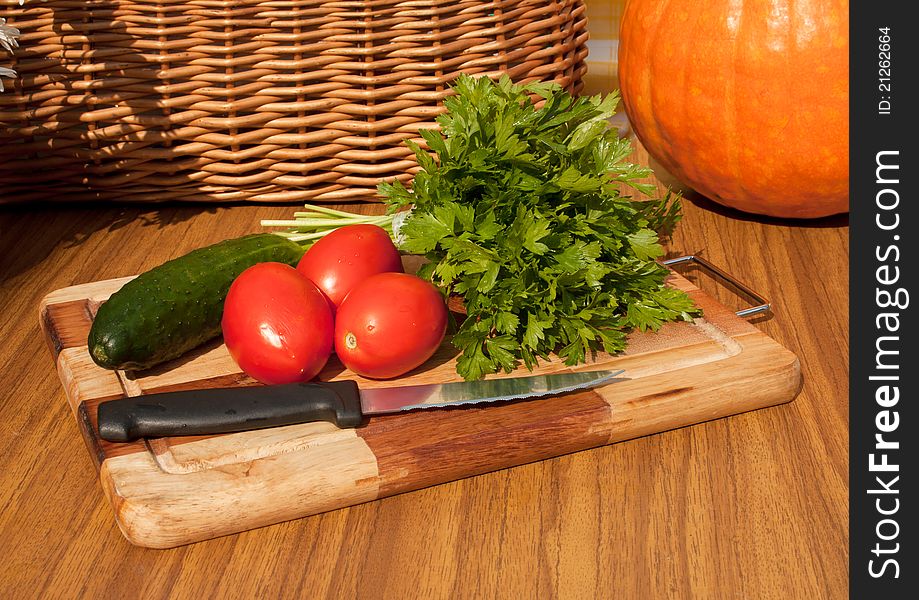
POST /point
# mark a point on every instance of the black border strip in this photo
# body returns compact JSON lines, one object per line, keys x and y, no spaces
{"x":883,"y":368}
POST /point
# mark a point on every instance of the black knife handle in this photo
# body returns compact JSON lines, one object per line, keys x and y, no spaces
{"x":223,"y":410}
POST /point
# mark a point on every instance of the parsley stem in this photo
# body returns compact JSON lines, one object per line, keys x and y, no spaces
{"x":329,"y":211}
{"x":311,"y":223}
{"x":319,"y":221}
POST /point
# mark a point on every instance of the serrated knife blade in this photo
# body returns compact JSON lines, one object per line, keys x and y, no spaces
{"x":225,"y":410}
{"x":377,"y":401}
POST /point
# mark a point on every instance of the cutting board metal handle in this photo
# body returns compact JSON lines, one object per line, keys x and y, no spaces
{"x":761,"y":305}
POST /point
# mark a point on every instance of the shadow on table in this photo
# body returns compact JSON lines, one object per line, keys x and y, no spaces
{"x":702,"y":202}
{"x":29,"y":232}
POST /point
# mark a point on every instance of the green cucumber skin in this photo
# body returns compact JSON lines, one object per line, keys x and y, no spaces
{"x":177,"y":306}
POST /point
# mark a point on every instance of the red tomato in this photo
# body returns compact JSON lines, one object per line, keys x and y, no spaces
{"x":389,"y":324}
{"x":348,"y":256}
{"x":277,"y":325}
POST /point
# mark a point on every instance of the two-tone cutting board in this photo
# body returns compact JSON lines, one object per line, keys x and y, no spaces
{"x":172,"y":491}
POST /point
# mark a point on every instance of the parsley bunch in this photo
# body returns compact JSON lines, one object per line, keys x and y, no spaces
{"x":522,"y":216}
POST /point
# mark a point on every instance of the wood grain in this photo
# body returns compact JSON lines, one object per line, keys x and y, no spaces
{"x":160,"y":506}
{"x":752,"y":506}
{"x":187,"y":489}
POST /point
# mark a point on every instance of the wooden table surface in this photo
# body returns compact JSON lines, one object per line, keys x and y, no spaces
{"x":753,"y":506}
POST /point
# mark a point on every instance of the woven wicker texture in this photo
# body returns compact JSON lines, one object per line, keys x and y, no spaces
{"x":252,"y":100}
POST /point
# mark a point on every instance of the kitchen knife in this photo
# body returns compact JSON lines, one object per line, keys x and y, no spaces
{"x":224,"y":410}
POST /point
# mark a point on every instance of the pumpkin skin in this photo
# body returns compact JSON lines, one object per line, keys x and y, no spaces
{"x":746,"y":101}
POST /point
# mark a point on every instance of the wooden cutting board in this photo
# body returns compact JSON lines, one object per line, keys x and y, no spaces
{"x":173,"y":491}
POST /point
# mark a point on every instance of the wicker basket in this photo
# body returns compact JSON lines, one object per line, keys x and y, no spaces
{"x":252,"y":100}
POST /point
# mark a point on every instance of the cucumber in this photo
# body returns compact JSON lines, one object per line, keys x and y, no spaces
{"x":177,"y":306}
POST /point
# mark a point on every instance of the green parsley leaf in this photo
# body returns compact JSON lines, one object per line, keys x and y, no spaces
{"x":522,"y":213}
{"x":645,"y":244}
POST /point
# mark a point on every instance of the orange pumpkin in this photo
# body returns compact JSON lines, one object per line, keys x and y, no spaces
{"x":747,"y":101}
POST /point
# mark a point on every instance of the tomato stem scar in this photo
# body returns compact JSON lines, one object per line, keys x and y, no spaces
{"x":350,"y":341}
